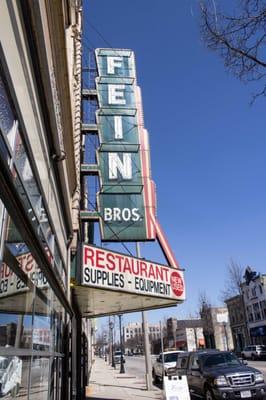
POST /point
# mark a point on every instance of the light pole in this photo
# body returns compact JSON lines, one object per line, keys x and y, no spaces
{"x":122,"y":367}
{"x":111,"y":324}
{"x":226,"y":338}
{"x":105,"y":344}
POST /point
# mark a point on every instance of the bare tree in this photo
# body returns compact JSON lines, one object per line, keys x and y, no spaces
{"x":136,"y":342}
{"x":233,"y":281}
{"x":238,"y":38}
{"x":203,"y":301}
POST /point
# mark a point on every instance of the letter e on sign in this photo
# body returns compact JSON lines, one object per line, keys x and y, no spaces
{"x":177,"y":283}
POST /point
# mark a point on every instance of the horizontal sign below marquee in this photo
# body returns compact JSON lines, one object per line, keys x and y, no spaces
{"x":109,"y":270}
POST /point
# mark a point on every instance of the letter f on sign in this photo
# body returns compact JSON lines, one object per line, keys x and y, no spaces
{"x":112,"y":63}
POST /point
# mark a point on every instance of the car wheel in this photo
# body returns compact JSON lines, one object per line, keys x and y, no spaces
{"x":208,"y":394}
{"x":155,"y":377}
{"x":15,"y":390}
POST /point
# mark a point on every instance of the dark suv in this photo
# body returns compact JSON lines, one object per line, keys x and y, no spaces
{"x":220,"y":375}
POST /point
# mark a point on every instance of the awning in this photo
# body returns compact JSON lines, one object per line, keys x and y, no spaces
{"x":97,"y":302}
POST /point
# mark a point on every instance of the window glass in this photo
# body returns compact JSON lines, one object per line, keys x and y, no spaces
{"x":31,"y":320}
{"x":16,"y":320}
{"x":182,"y":362}
{"x":24,"y":179}
{"x":256,"y":310}
{"x":194,"y":362}
{"x":7,"y":119}
{"x":171,"y":357}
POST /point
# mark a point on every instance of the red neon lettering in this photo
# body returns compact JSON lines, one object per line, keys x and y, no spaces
{"x":159,"y":272}
{"x":135,"y":266}
{"x":151,"y":272}
{"x":88,"y":256}
{"x":110,"y":261}
{"x":99,"y":258}
{"x":27,"y":262}
{"x":166,"y":271}
{"x":143,"y":269}
{"x":119,"y":258}
{"x":127,"y":266}
{"x":8,"y":271}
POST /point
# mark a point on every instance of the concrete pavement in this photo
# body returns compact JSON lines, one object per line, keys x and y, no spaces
{"x":107,"y":383}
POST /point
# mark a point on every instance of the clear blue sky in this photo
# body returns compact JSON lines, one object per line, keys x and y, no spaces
{"x":207,"y":143}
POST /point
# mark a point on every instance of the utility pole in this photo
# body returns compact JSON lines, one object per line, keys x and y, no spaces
{"x":147,"y":352}
{"x":122,"y":367}
{"x":161,"y":333}
{"x":225,"y":335}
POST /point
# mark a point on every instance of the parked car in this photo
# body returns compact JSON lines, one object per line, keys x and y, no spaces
{"x":220,"y":375}
{"x":117,"y":357}
{"x":254,"y":352}
{"x":10,"y":375}
{"x":165,"y":361}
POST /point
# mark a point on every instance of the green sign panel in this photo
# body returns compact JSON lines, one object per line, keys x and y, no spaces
{"x":121,"y":200}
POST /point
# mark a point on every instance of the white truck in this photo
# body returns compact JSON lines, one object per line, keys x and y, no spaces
{"x":10,"y":375}
{"x":166,"y":360}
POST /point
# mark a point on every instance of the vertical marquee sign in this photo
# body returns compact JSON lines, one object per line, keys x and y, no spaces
{"x":126,"y":198}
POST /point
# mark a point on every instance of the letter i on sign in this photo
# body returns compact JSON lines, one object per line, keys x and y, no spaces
{"x":118,"y":127}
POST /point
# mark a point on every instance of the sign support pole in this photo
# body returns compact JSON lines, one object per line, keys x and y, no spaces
{"x":147,"y":351}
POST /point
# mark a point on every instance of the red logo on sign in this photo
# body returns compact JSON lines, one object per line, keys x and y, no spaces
{"x":177,"y":283}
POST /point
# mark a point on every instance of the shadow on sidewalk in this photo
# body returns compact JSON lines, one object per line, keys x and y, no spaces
{"x":122,"y":386}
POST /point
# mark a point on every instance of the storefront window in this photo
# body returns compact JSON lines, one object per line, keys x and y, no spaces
{"x":12,"y":149}
{"x":32,"y":324}
{"x":7,"y":119}
{"x":32,"y":319}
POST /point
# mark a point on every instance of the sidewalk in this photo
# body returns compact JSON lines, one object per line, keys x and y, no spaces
{"x":107,"y":383}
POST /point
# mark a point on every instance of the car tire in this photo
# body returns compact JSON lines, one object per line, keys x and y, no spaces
{"x":208,"y":394}
{"x":15,"y":390}
{"x":155,"y":377}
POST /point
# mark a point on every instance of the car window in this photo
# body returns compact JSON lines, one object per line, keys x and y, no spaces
{"x":214,"y":360}
{"x":171,"y":357}
{"x":194,"y":361}
{"x":3,"y":364}
{"x":261,"y":348}
{"x":182,"y":362}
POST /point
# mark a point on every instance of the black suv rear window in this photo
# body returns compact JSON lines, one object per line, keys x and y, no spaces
{"x":214,"y":360}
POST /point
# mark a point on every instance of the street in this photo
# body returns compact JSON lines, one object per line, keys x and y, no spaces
{"x":135,"y":365}
{"x":261,"y":365}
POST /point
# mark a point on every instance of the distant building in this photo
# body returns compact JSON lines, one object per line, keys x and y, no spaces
{"x":135,"y":329}
{"x":216,"y":328}
{"x":185,"y":334}
{"x":254,"y":295}
{"x":238,"y":323}
{"x":133,"y":335}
